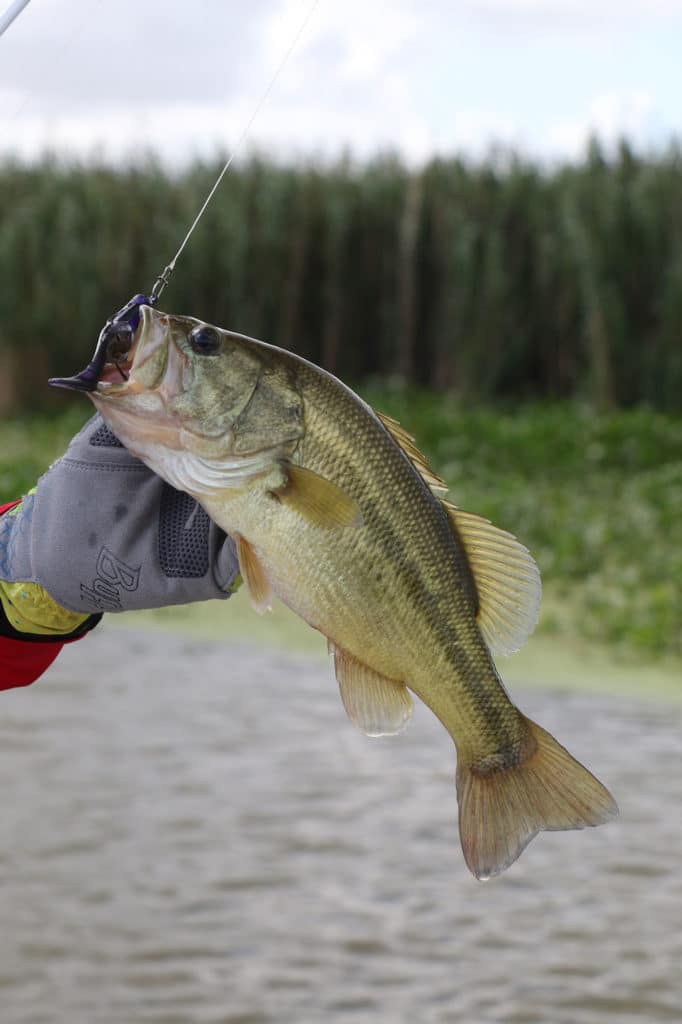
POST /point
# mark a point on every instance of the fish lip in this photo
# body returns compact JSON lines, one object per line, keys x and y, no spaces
{"x":152,"y":333}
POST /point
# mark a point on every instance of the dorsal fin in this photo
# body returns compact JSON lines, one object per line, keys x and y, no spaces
{"x":507,"y":580}
{"x":409,"y":446}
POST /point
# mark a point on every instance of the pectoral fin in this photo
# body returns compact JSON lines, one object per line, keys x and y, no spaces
{"x":376,"y":705}
{"x":318,"y":500}
{"x":260,"y":592}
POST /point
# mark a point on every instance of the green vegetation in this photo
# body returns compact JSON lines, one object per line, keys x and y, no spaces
{"x":596,"y":497}
{"x":522,"y":322}
{"x":498,"y":281}
{"x":30,"y":444}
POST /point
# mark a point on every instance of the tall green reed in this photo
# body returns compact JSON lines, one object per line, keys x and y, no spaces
{"x":497,"y":280}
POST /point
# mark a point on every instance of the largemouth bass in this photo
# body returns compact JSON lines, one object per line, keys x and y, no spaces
{"x":335,"y":511}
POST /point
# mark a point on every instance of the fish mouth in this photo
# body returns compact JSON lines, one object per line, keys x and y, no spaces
{"x":115,"y":376}
{"x":138,"y":381}
{"x":116,"y":371}
{"x":140,"y":362}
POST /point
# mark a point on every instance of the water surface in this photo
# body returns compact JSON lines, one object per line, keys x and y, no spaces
{"x":192,"y":831}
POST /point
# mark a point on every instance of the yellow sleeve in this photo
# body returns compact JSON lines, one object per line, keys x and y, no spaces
{"x":30,"y":609}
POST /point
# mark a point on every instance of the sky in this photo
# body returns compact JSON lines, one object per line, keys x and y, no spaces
{"x":420,"y":77}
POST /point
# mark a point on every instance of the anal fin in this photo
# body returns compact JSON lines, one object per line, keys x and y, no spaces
{"x":376,"y":705}
{"x":257,"y":584}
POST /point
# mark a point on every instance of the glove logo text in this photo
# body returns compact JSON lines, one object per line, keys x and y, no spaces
{"x":113,"y":576}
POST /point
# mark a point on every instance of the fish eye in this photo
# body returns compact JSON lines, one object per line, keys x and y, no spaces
{"x":203,"y":340}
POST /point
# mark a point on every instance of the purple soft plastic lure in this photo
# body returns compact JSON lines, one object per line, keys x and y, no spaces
{"x":118,"y":331}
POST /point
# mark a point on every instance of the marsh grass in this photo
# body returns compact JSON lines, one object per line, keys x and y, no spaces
{"x":596,"y":498}
{"x":501,"y":280}
{"x":28,"y":445}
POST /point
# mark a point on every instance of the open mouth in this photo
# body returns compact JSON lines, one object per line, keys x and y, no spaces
{"x":120,"y":356}
{"x":139,"y":361}
{"x":119,"y":361}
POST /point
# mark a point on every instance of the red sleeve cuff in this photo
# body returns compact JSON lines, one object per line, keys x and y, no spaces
{"x":21,"y":662}
{"x":24,"y":661}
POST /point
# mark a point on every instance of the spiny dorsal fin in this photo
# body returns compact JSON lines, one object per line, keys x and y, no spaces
{"x":318,"y":500}
{"x":409,"y":446}
{"x":506,"y":577}
{"x":376,"y":705}
{"x":252,"y":573}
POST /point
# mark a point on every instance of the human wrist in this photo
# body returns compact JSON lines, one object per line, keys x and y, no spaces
{"x":30,"y":610}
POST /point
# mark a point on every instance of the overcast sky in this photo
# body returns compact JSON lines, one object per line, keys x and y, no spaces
{"x":419,"y":76}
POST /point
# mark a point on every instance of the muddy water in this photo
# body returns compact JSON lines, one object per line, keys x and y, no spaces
{"x":192,"y":832}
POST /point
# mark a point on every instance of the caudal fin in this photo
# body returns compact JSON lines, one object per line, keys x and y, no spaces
{"x":501,"y":810}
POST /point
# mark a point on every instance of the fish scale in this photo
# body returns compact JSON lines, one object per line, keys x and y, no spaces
{"x":432,"y":580}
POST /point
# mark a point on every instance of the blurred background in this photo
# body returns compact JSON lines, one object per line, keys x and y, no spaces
{"x":471,"y":213}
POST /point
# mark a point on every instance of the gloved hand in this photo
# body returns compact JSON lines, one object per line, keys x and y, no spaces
{"x":101,"y":532}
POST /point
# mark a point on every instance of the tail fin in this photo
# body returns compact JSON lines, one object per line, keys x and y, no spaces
{"x":501,"y":811}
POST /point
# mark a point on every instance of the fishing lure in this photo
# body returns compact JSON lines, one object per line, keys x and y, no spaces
{"x":113,"y":344}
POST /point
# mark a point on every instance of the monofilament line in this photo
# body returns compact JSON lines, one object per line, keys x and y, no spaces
{"x":163,"y":278}
{"x":12,"y":12}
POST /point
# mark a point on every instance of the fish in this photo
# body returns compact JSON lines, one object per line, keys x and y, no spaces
{"x":335,"y":511}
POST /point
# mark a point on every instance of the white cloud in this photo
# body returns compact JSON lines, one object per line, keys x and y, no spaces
{"x":289,"y":129}
{"x":474,"y":131}
{"x":366,"y":74}
{"x":611,"y":116}
{"x":592,"y":22}
{"x":364,"y":36}
{"x":186,"y":131}
{"x":552,"y":9}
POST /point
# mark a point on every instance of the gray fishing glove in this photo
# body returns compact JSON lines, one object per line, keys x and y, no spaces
{"x":102,"y":533}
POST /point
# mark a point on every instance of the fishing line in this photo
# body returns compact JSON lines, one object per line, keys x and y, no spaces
{"x":116,"y":336}
{"x":12,"y":12}
{"x":163,"y":278}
